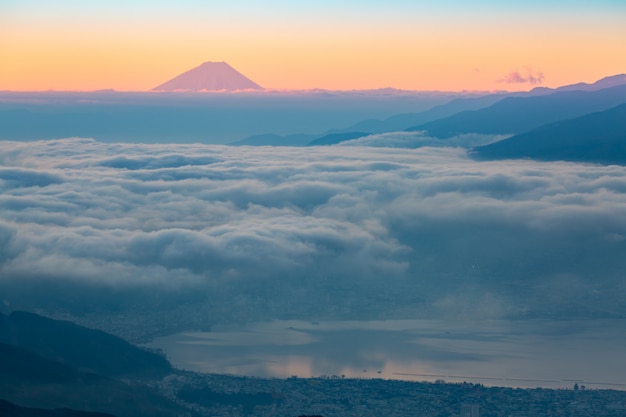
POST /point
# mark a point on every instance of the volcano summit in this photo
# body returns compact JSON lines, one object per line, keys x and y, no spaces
{"x":210,"y":76}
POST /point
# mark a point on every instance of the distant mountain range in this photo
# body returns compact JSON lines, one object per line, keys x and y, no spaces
{"x":500,"y":113}
{"x":606,"y":82}
{"x":392,"y":124}
{"x":210,"y":76}
{"x":580,"y":122}
{"x":514,"y":115}
{"x":597,"y":137}
{"x":407,"y":120}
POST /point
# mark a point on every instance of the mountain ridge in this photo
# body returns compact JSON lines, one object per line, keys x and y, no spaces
{"x":42,"y":366}
{"x":598,"y":137}
{"x":407,"y":121}
{"x":79,"y":347}
{"x":606,"y":82}
{"x":515,"y":115}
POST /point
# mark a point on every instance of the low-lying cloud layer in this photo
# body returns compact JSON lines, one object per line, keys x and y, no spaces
{"x":419,"y":139}
{"x":420,"y":231}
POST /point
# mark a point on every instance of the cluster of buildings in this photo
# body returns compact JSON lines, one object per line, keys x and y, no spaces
{"x":343,"y":397}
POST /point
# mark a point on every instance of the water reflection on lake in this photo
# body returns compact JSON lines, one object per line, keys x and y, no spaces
{"x":505,"y":353}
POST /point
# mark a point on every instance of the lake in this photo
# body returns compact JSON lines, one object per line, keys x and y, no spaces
{"x":533,"y":353}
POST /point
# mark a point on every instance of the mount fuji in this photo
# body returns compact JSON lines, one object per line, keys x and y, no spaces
{"x":210,"y":76}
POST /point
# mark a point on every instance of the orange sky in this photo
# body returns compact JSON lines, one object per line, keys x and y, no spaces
{"x":136,"y":45}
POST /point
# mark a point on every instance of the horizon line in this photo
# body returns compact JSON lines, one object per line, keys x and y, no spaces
{"x":279,"y":90}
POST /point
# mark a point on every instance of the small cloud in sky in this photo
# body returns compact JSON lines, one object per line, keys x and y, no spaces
{"x":522,"y":77}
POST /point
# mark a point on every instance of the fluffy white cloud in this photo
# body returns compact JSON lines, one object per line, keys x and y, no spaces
{"x":356,"y":224}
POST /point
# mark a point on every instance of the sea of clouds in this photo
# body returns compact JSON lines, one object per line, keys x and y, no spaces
{"x":346,"y":229}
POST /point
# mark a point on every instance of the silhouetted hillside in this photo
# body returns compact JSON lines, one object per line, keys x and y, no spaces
{"x":98,"y":394}
{"x":3,"y":326}
{"x":47,"y":363}
{"x":597,"y":137}
{"x":21,"y":365}
{"x":520,"y":114}
{"x":8,"y":409}
{"x":335,"y":138}
{"x":79,"y":347}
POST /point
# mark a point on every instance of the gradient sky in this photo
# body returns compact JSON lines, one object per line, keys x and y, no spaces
{"x":444,"y":45}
